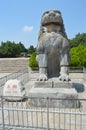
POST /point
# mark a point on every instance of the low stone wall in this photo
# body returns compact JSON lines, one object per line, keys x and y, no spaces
{"x":9,"y":65}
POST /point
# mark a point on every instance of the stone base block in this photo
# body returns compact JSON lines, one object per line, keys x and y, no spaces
{"x":53,"y":83}
{"x":63,"y":85}
{"x":58,"y":97}
{"x":43,"y":84}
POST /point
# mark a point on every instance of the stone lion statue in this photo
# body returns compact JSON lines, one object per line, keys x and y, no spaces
{"x":52,"y":47}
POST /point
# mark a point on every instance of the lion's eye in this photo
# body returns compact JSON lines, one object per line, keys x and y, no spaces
{"x":46,"y":13}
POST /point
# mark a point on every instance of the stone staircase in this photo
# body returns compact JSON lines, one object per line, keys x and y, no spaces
{"x":9,"y":65}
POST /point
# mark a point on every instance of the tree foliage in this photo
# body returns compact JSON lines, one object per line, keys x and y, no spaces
{"x":78,"y":56}
{"x":78,"y":39}
{"x":32,"y":60}
{"x":11,"y":49}
{"x":31,"y":49}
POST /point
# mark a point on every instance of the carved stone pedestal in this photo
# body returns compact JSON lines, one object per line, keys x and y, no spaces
{"x":54,"y":92}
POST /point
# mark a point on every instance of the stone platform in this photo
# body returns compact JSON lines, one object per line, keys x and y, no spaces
{"x":60,"y":94}
{"x":58,"y":97}
{"x":53,"y":83}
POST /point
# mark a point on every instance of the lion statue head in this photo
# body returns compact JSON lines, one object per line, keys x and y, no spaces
{"x":51,"y":21}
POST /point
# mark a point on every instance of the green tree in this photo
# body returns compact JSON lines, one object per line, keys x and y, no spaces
{"x":20,"y":47}
{"x":78,"y":39}
{"x":78,"y":56}
{"x":31,"y":49}
{"x":32,"y":60}
{"x":11,"y":49}
{"x":8,"y":49}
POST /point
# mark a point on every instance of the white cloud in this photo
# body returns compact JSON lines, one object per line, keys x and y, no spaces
{"x":27,"y":28}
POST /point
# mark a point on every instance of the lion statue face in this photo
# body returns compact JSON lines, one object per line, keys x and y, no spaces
{"x":52,"y":20}
{"x":52,"y":16}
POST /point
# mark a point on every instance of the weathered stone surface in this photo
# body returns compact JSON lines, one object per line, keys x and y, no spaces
{"x":65,"y":97}
{"x":43,"y":84}
{"x":61,"y":84}
{"x":53,"y":83}
{"x":14,"y":90}
{"x":52,"y":47}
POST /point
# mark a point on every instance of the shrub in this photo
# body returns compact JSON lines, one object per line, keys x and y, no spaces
{"x":78,"y":56}
{"x":32,"y":62}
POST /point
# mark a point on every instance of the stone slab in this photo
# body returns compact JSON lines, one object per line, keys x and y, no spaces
{"x":53,"y":83}
{"x":63,"y":85}
{"x":43,"y":84}
{"x":58,"y":97}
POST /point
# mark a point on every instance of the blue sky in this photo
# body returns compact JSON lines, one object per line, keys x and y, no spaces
{"x":20,"y":19}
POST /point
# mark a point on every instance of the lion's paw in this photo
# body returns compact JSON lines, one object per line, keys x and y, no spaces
{"x":42,"y":77}
{"x":64,"y":77}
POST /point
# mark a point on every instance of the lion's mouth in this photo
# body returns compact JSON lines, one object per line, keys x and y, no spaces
{"x":52,"y":27}
{"x":50,"y":23}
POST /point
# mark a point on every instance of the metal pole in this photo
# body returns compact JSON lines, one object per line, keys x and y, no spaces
{"x":2,"y":113}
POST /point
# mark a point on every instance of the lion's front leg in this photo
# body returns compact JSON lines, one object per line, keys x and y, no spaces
{"x":64,"y":62}
{"x":64,"y":75}
{"x":42,"y":62}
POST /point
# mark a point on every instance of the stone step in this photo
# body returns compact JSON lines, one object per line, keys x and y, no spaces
{"x":13,"y":64}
